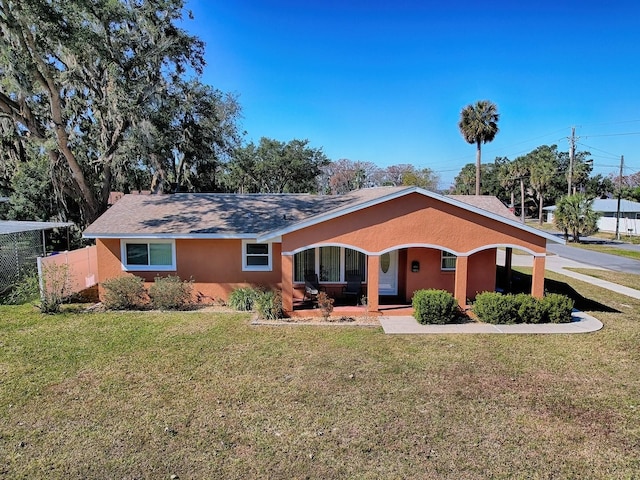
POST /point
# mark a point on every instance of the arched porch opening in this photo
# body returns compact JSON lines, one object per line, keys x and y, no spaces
{"x":339,"y":270}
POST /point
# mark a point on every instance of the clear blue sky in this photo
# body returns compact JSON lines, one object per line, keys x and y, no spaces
{"x":384,"y":81}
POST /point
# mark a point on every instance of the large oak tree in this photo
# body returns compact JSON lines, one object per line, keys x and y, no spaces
{"x":85,"y":80}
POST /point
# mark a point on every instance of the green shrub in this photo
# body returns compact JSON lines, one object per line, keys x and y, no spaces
{"x":496,"y":308}
{"x":435,"y":307}
{"x":171,"y":293}
{"x":268,"y":305}
{"x":557,"y":308}
{"x":528,"y":309}
{"x":124,"y":293}
{"x":243,"y":298}
{"x":493,"y":307}
{"x":27,"y":289}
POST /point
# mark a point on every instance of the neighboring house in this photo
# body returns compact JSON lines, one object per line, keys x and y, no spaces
{"x":397,"y":239}
{"x":608,"y":208}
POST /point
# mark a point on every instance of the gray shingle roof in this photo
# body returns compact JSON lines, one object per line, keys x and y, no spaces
{"x":236,"y":215}
{"x":210,"y":214}
{"x":486,"y":202}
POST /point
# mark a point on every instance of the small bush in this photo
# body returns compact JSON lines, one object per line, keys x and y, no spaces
{"x":528,"y":309}
{"x":493,"y":307}
{"x":171,"y":293}
{"x":243,"y":298}
{"x":557,"y":308}
{"x":435,"y":307}
{"x":268,"y":305}
{"x":124,"y":293}
{"x":325,"y":303}
{"x":55,"y":288}
{"x":496,"y":308}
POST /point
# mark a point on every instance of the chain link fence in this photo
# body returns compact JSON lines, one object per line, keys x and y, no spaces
{"x":18,"y":256}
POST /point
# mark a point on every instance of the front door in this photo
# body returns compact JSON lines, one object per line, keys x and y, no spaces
{"x":388,"y":273}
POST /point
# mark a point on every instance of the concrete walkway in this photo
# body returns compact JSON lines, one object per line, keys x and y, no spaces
{"x":581,"y":323}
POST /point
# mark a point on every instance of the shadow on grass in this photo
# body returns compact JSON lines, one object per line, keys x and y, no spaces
{"x":521,"y":283}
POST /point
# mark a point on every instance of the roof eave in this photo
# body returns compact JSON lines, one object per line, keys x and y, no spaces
{"x":172,"y":236}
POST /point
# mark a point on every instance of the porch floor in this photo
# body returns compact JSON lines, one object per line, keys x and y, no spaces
{"x":307,"y":309}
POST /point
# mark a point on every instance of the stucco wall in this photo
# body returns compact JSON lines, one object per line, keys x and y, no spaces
{"x":430,"y":274}
{"x":215,"y":266}
{"x":413,"y":219}
{"x":482,"y":273}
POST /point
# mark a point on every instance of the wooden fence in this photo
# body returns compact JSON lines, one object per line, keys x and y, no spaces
{"x":78,"y":267}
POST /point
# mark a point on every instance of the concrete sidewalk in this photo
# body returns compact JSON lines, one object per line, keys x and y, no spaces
{"x":557,"y":264}
{"x":581,"y":323}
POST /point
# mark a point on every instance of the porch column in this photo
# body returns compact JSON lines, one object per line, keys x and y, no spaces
{"x":460,"y":291}
{"x":287,"y":283}
{"x":508,"y":259}
{"x":537,"y":279}
{"x":373,"y":282}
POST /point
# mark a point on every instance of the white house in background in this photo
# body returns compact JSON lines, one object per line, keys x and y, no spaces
{"x":607,"y":208}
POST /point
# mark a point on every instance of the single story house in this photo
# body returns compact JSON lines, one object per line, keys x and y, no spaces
{"x":608,"y":208}
{"x":396,"y":239}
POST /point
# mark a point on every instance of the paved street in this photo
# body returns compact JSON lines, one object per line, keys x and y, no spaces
{"x":596,"y":259}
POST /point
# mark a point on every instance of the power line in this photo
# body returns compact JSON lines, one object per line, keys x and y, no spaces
{"x":613,"y":155}
{"x":612,"y":134}
{"x":609,"y":123}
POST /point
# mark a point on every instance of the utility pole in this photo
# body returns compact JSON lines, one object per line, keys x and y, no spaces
{"x":572,"y":153}
{"x":619,"y":197}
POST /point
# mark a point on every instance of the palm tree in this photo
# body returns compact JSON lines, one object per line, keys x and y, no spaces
{"x":574,"y":213}
{"x":508,"y":181}
{"x":479,"y":124}
{"x":519,"y":169}
{"x":544,"y":168}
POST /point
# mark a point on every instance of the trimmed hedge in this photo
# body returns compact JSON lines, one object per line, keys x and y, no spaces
{"x":493,"y":307}
{"x":496,"y":308}
{"x":437,"y":307}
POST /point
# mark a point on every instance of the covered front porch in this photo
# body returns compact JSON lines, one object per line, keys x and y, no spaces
{"x":388,"y":279}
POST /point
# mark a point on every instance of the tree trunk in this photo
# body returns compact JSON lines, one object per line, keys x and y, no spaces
{"x":540,"y":208}
{"x":522,"y":199}
{"x":478,"y":157}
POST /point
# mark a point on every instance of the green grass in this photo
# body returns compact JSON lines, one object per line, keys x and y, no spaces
{"x":611,"y":250}
{"x":201,"y":395}
{"x":626,"y":279}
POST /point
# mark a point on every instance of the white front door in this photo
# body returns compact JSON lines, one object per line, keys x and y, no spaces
{"x":388,"y":273}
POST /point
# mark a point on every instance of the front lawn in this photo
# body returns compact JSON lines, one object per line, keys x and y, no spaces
{"x":201,"y":395}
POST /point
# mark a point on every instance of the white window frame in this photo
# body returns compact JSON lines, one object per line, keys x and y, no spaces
{"x":256,"y":268}
{"x":444,"y":254}
{"x":147,"y":268}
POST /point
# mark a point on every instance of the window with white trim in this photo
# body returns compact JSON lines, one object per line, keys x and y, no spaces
{"x":148,"y":255}
{"x":331,"y":264}
{"x":256,"y":257}
{"x":448,"y":261}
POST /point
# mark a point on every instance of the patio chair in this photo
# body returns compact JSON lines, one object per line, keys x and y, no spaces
{"x":312,"y":287}
{"x":353,"y":287}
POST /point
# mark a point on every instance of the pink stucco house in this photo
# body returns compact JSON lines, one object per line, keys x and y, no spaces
{"x":396,"y":239}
